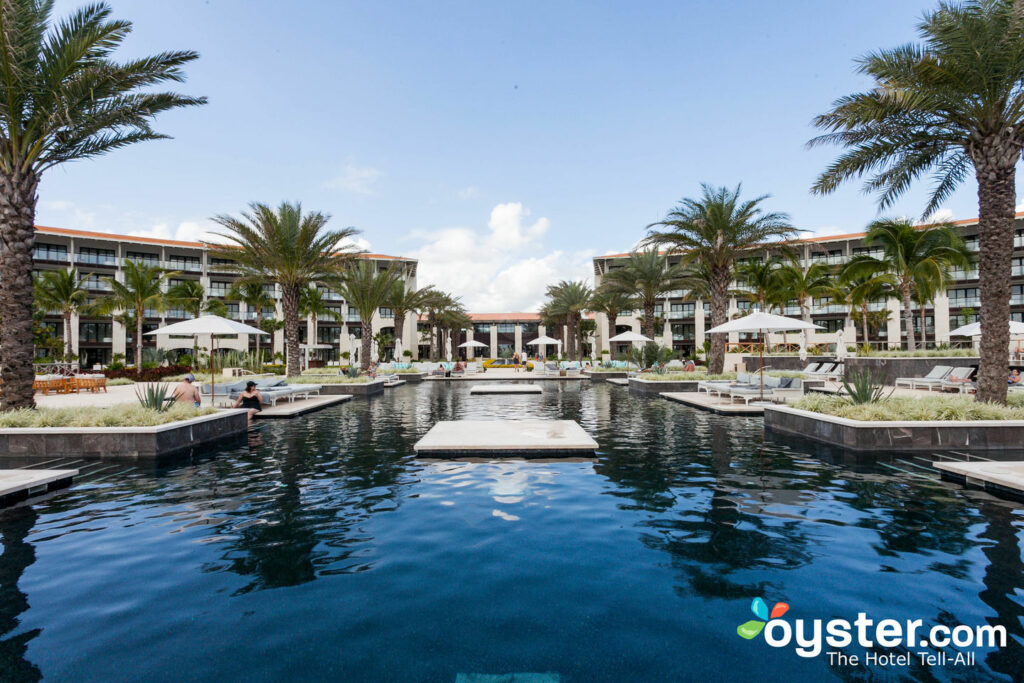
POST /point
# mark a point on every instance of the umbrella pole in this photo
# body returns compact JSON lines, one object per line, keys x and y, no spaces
{"x":761,"y":365}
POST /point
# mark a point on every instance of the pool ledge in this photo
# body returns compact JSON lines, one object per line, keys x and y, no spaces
{"x":131,"y":443}
{"x":858,"y":435}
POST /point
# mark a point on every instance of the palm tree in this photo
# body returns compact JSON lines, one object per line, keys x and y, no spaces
{"x":313,"y":305}
{"x":365,"y":288}
{"x":760,"y":282}
{"x":142,"y":290}
{"x":909,"y":255}
{"x":859,"y":291}
{"x":65,"y":99}
{"x":256,"y":299}
{"x":62,"y":291}
{"x":803,"y":283}
{"x":610,"y":302}
{"x":646,"y":276}
{"x":948,"y":105}
{"x":435,"y":305}
{"x":403,"y":301}
{"x":713,"y":232}
{"x":568,"y":300}
{"x":288,"y":247}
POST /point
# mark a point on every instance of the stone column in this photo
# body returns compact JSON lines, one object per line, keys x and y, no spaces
{"x":470,"y":350}
{"x":519,"y":338}
{"x":893,"y":325}
{"x":698,"y":324}
{"x":941,"y":314}
{"x":494,"y":341}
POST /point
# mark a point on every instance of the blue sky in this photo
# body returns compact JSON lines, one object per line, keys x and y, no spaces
{"x":504,"y":144}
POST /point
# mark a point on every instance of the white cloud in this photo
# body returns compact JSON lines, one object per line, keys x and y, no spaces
{"x":941,"y":215}
{"x":503,"y":268}
{"x":826,"y":231}
{"x":357,"y":179}
{"x":186,"y":231}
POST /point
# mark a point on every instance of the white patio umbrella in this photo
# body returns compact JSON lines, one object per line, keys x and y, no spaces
{"x":545,"y":340}
{"x":840,"y":347}
{"x":761,"y":323}
{"x":472,"y":344}
{"x":974,"y":329}
{"x":630,"y":337}
{"x":211,"y":325}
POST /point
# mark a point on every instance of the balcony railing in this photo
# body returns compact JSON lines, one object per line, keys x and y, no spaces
{"x":50,"y":257}
{"x":965,"y":274}
{"x":96,"y":260}
{"x":679,"y":315}
{"x":186,"y":266}
{"x":966,"y":302}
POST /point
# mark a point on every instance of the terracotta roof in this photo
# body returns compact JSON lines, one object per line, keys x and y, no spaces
{"x":499,"y":317}
{"x":67,"y":232}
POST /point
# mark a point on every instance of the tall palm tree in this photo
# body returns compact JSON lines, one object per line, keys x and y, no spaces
{"x":760,"y":282}
{"x":859,"y":291}
{"x":288,"y":247}
{"x":403,"y":301}
{"x":142,"y":290}
{"x":569,"y":299}
{"x":610,"y":302}
{"x":909,"y":255}
{"x":64,"y":99}
{"x":313,"y":305}
{"x":190,"y":296}
{"x":62,"y":291}
{"x":646,"y":276}
{"x":803,"y":283}
{"x":256,"y":299}
{"x":948,"y":105}
{"x":714,"y":231}
{"x":435,"y":306}
{"x":365,"y":288}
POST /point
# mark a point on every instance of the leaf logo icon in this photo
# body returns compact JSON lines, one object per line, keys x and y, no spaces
{"x":751,"y":629}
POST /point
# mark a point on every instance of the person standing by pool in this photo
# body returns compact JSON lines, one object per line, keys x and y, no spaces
{"x":250,"y":399}
{"x":187,"y":391}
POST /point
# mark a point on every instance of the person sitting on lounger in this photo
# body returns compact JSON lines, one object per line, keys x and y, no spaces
{"x":690,"y":366}
{"x":439,"y":372}
{"x":250,"y":399}
{"x":1014,"y":377}
{"x":458,"y":367}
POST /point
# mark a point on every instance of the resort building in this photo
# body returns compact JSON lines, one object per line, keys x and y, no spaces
{"x":503,"y":333}
{"x":682,"y":323}
{"x":101,"y":255}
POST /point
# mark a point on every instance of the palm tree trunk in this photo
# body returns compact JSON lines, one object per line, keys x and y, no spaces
{"x":259,"y":321}
{"x":290,"y":305}
{"x":399,"y":325}
{"x":864,"y":324}
{"x":433,"y":339}
{"x":996,"y":200}
{"x":17,"y":228}
{"x":138,"y":338}
{"x":908,"y":316}
{"x":924,"y":329}
{"x":67,"y":337}
{"x":365,"y":341}
{"x":649,"y":319}
{"x":719,"y":287}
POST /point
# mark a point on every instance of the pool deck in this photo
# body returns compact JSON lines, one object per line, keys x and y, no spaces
{"x":506,"y":389}
{"x":711,"y":403}
{"x":301,"y":407}
{"x":1000,"y":475}
{"x":522,"y":438}
{"x":392,"y":385}
{"x":618,"y":380}
{"x":18,"y":485}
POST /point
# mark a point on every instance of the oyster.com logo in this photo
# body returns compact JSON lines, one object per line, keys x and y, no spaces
{"x":753,"y":628}
{"x":918,"y":641}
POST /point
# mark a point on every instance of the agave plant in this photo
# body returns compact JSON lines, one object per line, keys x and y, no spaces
{"x":155,"y":397}
{"x":862,"y":389}
{"x":352,"y":371}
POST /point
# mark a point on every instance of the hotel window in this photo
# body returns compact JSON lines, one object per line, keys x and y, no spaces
{"x":1017,"y":295}
{"x":219,"y":288}
{"x":743,"y":306}
{"x":188,"y":263}
{"x":832,"y":325}
{"x":50,"y":252}
{"x":681,"y":332}
{"x":328,"y":334}
{"x":506,"y":328}
{"x":336,"y":311}
{"x":683,"y":310}
{"x":221,"y":264}
{"x":481,"y":328}
{"x":967,"y":296}
{"x":97,"y":282}
{"x":95,"y":332}
{"x":386,"y":312}
{"x":96,"y":257}
{"x":971,"y":242}
{"x":658,"y":308}
{"x":140,"y":257}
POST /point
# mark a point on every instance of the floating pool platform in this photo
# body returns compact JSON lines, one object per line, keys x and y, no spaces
{"x":294,"y":409}
{"x":17,"y":485}
{"x":713,"y":404}
{"x":506,"y":389}
{"x":622,"y":382}
{"x":516,"y":438}
{"x":999,"y":477}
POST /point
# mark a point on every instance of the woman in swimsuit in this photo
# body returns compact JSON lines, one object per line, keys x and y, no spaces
{"x":250,"y":399}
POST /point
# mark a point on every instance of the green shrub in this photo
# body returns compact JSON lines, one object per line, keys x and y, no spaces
{"x":861,"y":388}
{"x":154,"y":397}
{"x":119,"y":382}
{"x":914,"y":408}
{"x":123,"y":415}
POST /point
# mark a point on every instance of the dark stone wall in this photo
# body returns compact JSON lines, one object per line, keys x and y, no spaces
{"x":785,"y":363}
{"x":367,"y":389}
{"x":637,"y":386}
{"x":888,"y":369}
{"x":871,"y":437}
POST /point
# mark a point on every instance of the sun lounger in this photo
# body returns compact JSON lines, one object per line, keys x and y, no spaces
{"x":811,"y":367}
{"x":934,"y":377}
{"x":954,"y":381}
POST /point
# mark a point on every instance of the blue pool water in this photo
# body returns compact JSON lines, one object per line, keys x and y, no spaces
{"x":323,"y":549}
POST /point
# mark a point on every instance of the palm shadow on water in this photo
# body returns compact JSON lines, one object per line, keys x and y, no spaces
{"x":18,"y":555}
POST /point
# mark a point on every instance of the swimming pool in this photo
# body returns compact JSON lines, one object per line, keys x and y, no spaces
{"x":324,"y":549}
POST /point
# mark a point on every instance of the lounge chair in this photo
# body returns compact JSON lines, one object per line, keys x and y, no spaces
{"x":934,"y":377}
{"x":958,"y":379}
{"x":825,"y":369}
{"x":811,"y":368}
